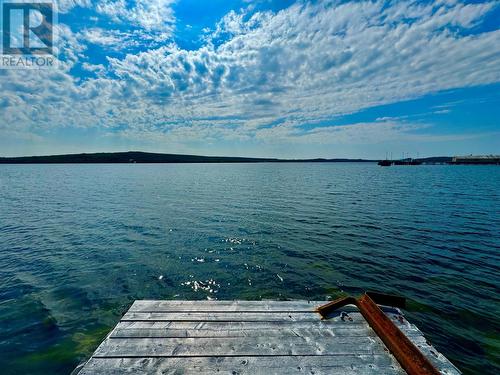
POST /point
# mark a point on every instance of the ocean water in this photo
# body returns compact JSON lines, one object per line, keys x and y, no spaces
{"x":79,"y":243}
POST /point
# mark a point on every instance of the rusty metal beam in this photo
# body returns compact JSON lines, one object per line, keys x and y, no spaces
{"x":323,"y":310}
{"x":407,"y":354}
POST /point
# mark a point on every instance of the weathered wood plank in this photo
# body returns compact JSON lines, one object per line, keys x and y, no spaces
{"x":222,"y":317}
{"x":240,"y":346}
{"x":357,"y":320}
{"x":361,"y":364}
{"x":260,"y":326}
{"x":229,"y":306}
{"x":271,"y":317}
{"x":362,"y":331}
{"x":224,"y":306}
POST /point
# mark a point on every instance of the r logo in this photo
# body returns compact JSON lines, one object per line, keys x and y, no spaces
{"x":27,"y":28}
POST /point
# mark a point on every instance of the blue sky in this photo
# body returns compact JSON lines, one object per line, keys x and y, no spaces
{"x":291,"y":79}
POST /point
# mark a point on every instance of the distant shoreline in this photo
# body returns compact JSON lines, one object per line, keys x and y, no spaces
{"x":155,"y":158}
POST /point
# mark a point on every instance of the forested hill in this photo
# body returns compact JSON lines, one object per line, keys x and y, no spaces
{"x":146,"y":157}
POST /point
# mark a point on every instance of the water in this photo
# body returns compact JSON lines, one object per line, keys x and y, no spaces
{"x":79,"y":243}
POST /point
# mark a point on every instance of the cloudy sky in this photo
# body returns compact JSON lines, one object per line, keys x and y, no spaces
{"x":262,"y":78}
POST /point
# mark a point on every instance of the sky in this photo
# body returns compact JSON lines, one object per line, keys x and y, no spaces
{"x":265,"y":78}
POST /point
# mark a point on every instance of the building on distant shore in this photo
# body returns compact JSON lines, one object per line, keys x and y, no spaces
{"x":478,"y":159}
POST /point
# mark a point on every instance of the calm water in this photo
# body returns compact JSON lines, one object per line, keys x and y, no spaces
{"x":79,"y":243}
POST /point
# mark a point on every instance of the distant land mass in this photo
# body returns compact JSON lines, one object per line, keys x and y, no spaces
{"x":147,"y":157}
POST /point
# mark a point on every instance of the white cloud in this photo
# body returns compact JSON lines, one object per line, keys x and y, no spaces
{"x":150,"y":15}
{"x":358,"y":133}
{"x":114,"y":40}
{"x":64,"y":6}
{"x":102,"y":37}
{"x":275,"y":71}
{"x":96,"y":68}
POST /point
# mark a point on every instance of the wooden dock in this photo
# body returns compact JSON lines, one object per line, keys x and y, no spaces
{"x":250,"y":337}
